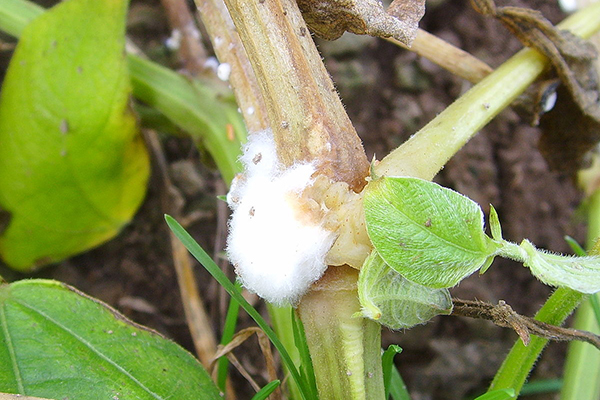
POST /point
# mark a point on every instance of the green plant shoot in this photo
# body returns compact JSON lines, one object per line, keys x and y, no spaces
{"x":435,"y":237}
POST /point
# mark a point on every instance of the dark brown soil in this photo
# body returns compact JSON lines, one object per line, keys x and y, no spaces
{"x":390,"y":93}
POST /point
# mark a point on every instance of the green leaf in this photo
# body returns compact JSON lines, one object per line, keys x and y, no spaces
{"x":500,"y":394}
{"x":429,"y":234}
{"x":495,"y":224}
{"x":398,"y":390}
{"x":199,"y":109}
{"x":266,"y":390}
{"x":73,"y":167}
{"x":394,"y":301}
{"x":57,"y":343}
{"x":578,"y":273}
{"x":387,"y":364}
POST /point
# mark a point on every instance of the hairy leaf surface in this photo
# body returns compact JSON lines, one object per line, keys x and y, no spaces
{"x":431,"y":235}
{"x":394,"y":301}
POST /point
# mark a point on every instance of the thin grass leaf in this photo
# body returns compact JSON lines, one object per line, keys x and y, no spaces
{"x":398,"y":389}
{"x":575,"y":246}
{"x":228,"y":331}
{"x":596,"y":307}
{"x":207,"y":262}
{"x":266,"y":390}
{"x":542,"y":386}
{"x":387,"y":364}
{"x":500,"y":394}
{"x":306,"y":370}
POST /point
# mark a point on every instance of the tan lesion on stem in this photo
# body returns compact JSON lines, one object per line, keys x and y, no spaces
{"x":304,"y":110}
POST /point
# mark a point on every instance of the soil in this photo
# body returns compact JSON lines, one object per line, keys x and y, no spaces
{"x":389,"y":94}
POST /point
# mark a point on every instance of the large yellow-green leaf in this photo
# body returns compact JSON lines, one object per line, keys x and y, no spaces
{"x":57,"y":343}
{"x":73,"y":167}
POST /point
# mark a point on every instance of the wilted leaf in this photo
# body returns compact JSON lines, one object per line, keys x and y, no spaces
{"x":57,"y":343}
{"x":568,"y":134}
{"x":73,"y":167}
{"x":429,"y":234}
{"x":572,"y":127}
{"x":394,"y":301}
{"x":331,"y":18}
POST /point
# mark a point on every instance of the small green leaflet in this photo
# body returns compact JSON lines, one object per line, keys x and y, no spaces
{"x":431,"y":235}
{"x":394,"y":301}
{"x":578,"y":273}
{"x":435,"y":237}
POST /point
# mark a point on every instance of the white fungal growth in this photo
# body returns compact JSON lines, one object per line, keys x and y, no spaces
{"x":223,"y":71}
{"x":276,"y":241}
{"x":568,"y":6}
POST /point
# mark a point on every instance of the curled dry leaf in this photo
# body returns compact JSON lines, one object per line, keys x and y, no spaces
{"x":329,"y":19}
{"x":571,"y":128}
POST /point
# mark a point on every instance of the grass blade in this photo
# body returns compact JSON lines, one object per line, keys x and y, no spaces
{"x":228,"y":332}
{"x":387,"y":363}
{"x":397,"y":387}
{"x":500,"y":394}
{"x":266,"y":390}
{"x":207,"y":262}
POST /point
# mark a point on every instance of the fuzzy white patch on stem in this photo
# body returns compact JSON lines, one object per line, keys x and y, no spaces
{"x":278,"y":248}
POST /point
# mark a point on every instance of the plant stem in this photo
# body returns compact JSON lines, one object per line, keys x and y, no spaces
{"x":582,"y":368}
{"x":425,"y":153}
{"x":229,"y":49}
{"x":520,"y":360}
{"x":447,"y":56}
{"x":345,"y":351}
{"x":190,"y":49}
{"x":305,"y":113}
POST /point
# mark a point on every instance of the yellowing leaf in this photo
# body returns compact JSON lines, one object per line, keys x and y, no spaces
{"x":73,"y":167}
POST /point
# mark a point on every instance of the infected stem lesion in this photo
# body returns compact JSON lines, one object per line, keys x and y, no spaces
{"x":304,"y":110}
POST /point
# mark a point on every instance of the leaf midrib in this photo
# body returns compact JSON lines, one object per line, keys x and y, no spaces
{"x":11,"y":350}
{"x":90,"y":347}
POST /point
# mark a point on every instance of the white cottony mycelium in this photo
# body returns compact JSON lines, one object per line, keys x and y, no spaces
{"x":277,"y":239}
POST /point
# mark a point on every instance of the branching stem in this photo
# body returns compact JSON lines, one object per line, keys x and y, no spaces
{"x":425,"y":153}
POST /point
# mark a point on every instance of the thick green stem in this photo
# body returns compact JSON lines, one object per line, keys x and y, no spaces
{"x":425,"y":153}
{"x":345,"y":351}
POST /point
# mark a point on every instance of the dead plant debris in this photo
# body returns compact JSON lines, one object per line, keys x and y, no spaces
{"x":329,"y":19}
{"x":503,"y":315}
{"x":571,"y":128}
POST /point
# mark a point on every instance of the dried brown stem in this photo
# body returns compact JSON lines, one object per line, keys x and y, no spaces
{"x":191,"y":51}
{"x":265,"y":346}
{"x":447,"y":56}
{"x":229,"y":49}
{"x":199,"y":324}
{"x":304,"y":111}
{"x":503,"y":315}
